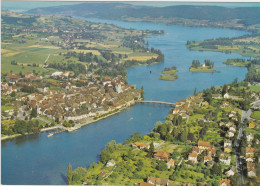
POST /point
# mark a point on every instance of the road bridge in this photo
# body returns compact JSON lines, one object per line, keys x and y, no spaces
{"x":156,"y":102}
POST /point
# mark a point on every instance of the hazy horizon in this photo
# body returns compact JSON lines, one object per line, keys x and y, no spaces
{"x":26,"y":5}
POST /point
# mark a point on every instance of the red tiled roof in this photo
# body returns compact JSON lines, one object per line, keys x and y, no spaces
{"x":204,"y":143}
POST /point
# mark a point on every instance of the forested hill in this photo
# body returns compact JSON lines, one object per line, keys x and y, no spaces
{"x":245,"y":15}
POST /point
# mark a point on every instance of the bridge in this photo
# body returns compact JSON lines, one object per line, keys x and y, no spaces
{"x":158,"y":102}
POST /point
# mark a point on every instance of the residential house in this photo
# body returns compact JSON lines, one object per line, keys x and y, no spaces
{"x":251,"y":172}
{"x":225,"y":159}
{"x":230,"y":172}
{"x":249,"y":158}
{"x":207,"y":158}
{"x":140,"y":145}
{"x":251,"y":124}
{"x":230,"y":134}
{"x":203,"y":145}
{"x":249,"y":137}
{"x":250,"y":151}
{"x":158,"y":181}
{"x":226,"y":96}
{"x":225,"y":104}
{"x":232,"y":128}
{"x":144,"y":184}
{"x":161,"y":155}
{"x":195,"y":150}
{"x":28,"y":75}
{"x":111,"y":163}
{"x":211,"y":151}
{"x":224,"y":182}
{"x":170,"y":163}
{"x":193,"y":157}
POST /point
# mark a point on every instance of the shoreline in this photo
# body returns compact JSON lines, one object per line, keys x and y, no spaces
{"x":72,"y":129}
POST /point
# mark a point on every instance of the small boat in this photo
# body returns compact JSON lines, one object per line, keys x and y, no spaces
{"x":50,"y":135}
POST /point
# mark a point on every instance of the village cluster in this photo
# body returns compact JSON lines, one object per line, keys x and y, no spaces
{"x":61,"y":100}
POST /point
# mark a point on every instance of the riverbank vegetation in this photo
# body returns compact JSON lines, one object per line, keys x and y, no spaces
{"x":206,"y":67}
{"x":246,"y":45}
{"x":169,"y":74}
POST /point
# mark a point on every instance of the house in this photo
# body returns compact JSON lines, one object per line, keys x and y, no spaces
{"x":143,"y":184}
{"x":210,"y":163}
{"x":251,"y":125}
{"x":230,"y":134}
{"x":203,"y":145}
{"x":158,"y":181}
{"x":161,"y":155}
{"x":193,"y":157}
{"x":140,"y":145}
{"x":225,"y":159}
{"x":28,"y":75}
{"x":227,"y":143}
{"x":196,"y":150}
{"x":111,"y":163}
{"x":57,"y":74}
{"x":170,"y":163}
{"x":249,"y":137}
{"x":211,"y":151}
{"x":251,"y":172}
{"x":249,"y":158}
{"x":250,"y":151}
{"x":224,"y":182}
{"x":232,"y":128}
{"x":225,"y":103}
{"x":228,"y":149}
{"x":207,"y":158}
{"x":102,"y":174}
{"x":226,"y":96}
{"x":4,"y":85}
{"x":230,"y":172}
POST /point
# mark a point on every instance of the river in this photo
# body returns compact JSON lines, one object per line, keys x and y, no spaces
{"x":37,"y":159}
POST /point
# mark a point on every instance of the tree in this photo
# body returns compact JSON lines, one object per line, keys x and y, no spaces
{"x":69,"y":174}
{"x":161,"y":165}
{"x":142,"y":92}
{"x":216,"y":169}
{"x":195,"y":91}
{"x":13,"y":94}
{"x":34,"y":113}
{"x":104,"y":156}
{"x":151,"y":150}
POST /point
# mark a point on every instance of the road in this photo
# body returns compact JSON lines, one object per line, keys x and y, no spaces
{"x":44,"y":120}
{"x":245,"y":115}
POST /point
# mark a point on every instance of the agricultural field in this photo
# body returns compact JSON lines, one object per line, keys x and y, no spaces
{"x":48,"y":40}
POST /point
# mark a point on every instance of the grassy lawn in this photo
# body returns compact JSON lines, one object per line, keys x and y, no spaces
{"x":41,"y":123}
{"x":256,"y":115}
{"x":255,"y":88}
{"x":7,"y":107}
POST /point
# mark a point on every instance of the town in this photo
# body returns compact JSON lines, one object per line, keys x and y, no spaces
{"x":208,"y":138}
{"x":61,"y":101}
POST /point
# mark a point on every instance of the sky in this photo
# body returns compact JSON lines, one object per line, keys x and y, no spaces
{"x":26,"y":5}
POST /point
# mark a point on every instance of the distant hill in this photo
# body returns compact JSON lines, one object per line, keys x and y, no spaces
{"x":245,"y":15}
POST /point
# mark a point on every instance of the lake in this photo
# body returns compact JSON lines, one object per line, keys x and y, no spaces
{"x":37,"y":159}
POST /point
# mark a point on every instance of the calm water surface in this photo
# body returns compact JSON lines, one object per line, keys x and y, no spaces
{"x":37,"y":159}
